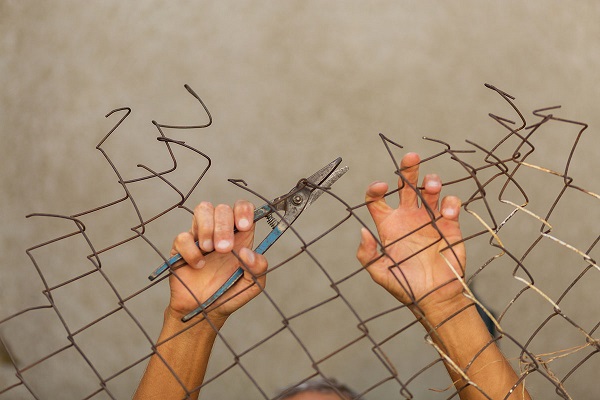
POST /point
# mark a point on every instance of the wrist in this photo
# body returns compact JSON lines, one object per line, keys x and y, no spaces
{"x":173,"y":319}
{"x":432,"y":314}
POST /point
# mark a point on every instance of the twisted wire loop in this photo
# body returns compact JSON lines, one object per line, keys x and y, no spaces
{"x":495,"y":187}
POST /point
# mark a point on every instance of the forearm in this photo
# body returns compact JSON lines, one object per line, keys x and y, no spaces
{"x":182,"y":357}
{"x":459,"y":332}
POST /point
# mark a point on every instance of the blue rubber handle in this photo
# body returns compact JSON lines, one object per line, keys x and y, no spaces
{"x":236,"y":276}
{"x":259,"y":213}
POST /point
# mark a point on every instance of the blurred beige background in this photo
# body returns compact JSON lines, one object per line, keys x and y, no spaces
{"x":290,"y":85}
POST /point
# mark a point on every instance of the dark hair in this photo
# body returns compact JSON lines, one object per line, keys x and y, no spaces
{"x":320,"y":386}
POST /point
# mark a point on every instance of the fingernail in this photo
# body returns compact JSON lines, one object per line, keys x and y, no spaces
{"x":433,"y":184}
{"x":449,"y":212}
{"x":200,"y":264}
{"x":243,"y":223}
{"x":223,"y":244}
{"x":248,"y":255}
{"x":207,"y":245}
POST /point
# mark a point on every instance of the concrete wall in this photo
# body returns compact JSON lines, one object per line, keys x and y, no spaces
{"x":291,"y":85}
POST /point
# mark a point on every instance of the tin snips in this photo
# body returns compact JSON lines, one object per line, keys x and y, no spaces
{"x":286,"y":208}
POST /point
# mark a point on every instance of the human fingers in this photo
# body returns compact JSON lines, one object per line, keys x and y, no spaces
{"x":432,"y":187}
{"x":223,"y":230}
{"x":255,"y":264}
{"x":243,"y":212}
{"x":375,"y":200}
{"x":450,"y":207}
{"x":185,"y":245}
{"x":203,"y":225}
{"x":409,"y":167}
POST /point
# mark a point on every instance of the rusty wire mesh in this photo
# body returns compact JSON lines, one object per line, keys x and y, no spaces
{"x":499,"y":185}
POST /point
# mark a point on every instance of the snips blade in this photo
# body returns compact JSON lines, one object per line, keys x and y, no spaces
{"x":309,"y":189}
{"x":325,"y":178}
{"x":319,"y":177}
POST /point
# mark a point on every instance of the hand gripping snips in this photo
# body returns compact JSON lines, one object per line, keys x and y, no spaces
{"x":287,"y":207}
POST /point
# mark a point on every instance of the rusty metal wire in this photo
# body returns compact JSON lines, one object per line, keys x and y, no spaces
{"x":495,"y":184}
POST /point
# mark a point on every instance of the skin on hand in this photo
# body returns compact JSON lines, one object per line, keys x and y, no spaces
{"x":422,"y":263}
{"x":177,"y":369}
{"x":411,"y":267}
{"x":203,"y":275}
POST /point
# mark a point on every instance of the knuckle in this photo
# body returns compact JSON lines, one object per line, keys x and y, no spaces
{"x":202,"y":206}
{"x":223,"y":208}
{"x":182,"y":237}
{"x":203,"y":215}
{"x":244,"y":205}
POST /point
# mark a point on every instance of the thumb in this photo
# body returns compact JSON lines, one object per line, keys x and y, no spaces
{"x":367,"y":250}
{"x":255,"y":265}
